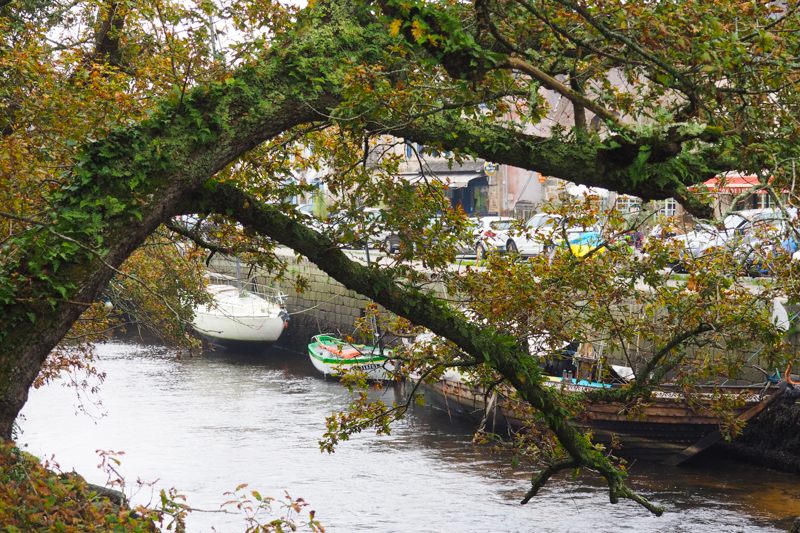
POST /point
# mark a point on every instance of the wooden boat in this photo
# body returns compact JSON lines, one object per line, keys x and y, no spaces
{"x":235,"y":314}
{"x":667,"y":429}
{"x":333,"y":356}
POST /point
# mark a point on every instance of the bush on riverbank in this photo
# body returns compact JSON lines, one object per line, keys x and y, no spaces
{"x":36,"y":498}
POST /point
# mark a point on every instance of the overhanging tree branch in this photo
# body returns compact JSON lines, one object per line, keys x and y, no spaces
{"x":539,"y":480}
{"x":145,"y":170}
{"x":587,"y":160}
{"x":614,"y":36}
{"x":555,"y":85}
{"x":196,"y":238}
{"x":498,"y":351}
{"x":677,"y":340}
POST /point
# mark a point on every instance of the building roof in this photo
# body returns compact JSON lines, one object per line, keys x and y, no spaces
{"x":454,"y":176}
{"x":733,"y":183}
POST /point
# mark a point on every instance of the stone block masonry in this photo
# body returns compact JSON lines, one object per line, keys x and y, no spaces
{"x":325,"y":306}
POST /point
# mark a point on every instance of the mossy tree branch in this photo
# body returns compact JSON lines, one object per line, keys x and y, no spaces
{"x":587,"y":160}
{"x":129,"y":183}
{"x":498,"y":351}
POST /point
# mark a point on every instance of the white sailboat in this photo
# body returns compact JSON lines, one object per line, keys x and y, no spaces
{"x":235,"y":314}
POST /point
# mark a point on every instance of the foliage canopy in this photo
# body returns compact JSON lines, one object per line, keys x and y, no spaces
{"x":116,"y":117}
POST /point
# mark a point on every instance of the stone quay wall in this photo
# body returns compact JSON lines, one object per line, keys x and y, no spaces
{"x":325,"y":306}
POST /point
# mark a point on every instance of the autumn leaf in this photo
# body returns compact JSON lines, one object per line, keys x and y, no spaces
{"x":395,"y":27}
{"x":417,"y":30}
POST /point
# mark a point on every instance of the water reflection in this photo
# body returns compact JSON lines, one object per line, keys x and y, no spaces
{"x":207,"y":424}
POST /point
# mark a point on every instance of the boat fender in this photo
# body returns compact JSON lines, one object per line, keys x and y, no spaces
{"x":792,"y":392}
{"x":285,"y":317}
{"x":788,"y":376}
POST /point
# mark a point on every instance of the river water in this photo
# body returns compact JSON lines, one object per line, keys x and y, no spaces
{"x":207,"y":424}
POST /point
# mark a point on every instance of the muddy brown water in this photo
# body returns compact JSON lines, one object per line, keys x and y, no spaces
{"x":207,"y":424}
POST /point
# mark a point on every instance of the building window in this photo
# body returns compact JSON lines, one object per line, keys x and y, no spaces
{"x":628,"y":204}
{"x":667,"y":208}
{"x":409,"y":150}
{"x":757,"y":201}
{"x":764,"y":201}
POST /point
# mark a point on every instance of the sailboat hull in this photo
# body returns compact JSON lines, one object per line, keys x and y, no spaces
{"x":248,"y":329}
{"x":237,"y":316}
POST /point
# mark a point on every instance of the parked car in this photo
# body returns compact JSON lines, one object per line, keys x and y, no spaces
{"x":309,"y":217}
{"x":434,"y":227}
{"x":705,"y":237}
{"x":739,"y":235}
{"x":761,"y":260}
{"x":543,"y":231}
{"x":306,"y":209}
{"x":392,"y":243}
{"x":491,"y":234}
{"x":770,"y":239}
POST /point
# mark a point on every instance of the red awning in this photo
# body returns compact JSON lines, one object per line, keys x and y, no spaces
{"x":733,"y":184}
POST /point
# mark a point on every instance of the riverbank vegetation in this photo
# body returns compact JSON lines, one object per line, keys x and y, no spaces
{"x":36,"y":496}
{"x":118,"y":117}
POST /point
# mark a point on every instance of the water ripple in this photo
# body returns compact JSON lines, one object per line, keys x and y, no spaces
{"x":207,"y":424}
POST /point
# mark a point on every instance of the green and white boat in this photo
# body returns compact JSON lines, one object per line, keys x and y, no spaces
{"x":333,"y":356}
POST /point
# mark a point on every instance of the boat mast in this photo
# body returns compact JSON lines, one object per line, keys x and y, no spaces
{"x":377,"y":338}
{"x":238,"y":276}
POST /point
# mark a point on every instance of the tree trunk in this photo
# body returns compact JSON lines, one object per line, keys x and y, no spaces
{"x":129,"y":183}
